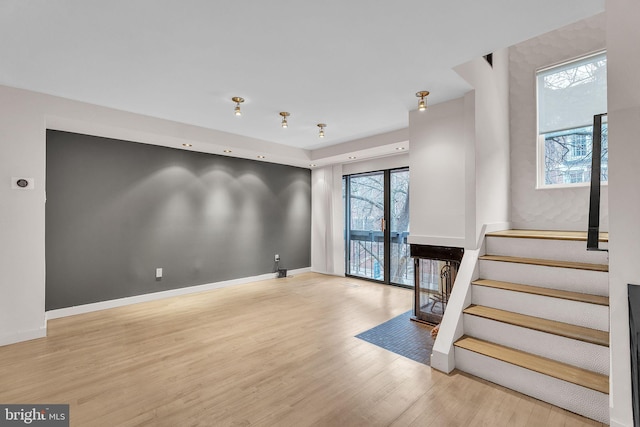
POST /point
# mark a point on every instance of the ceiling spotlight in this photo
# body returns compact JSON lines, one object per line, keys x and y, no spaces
{"x":422,"y":105}
{"x":321,"y":133}
{"x":227,"y":151}
{"x":313,"y":165}
{"x":352,"y":157}
{"x":400,"y":148}
{"x":284,"y":115}
{"x":187,"y":145}
{"x":261,"y":157}
{"x":238,"y":101}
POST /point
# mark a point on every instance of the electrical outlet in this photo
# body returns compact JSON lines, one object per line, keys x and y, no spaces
{"x":277,"y":257}
{"x":158,"y":273}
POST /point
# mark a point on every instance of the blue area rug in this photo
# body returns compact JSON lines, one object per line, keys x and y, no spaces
{"x":402,"y":336}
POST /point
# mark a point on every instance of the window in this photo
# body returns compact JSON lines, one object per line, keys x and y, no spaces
{"x":569,"y":95}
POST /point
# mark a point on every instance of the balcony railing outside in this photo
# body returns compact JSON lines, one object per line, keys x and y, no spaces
{"x":366,"y":256}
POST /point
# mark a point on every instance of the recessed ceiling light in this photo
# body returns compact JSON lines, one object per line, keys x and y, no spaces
{"x":187,"y":145}
{"x":352,"y":157}
{"x":227,"y":151}
{"x":400,"y":148}
{"x":261,"y":157}
{"x":313,"y":165}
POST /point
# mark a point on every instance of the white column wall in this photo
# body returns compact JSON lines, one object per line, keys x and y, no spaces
{"x":22,"y":219}
{"x":438,"y":162}
{"x":623,"y":55}
{"x":489,"y":116}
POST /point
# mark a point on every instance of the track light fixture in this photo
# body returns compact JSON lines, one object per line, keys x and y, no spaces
{"x":284,"y":115}
{"x":321,"y":126}
{"x":422,"y":105}
{"x":238,"y":101}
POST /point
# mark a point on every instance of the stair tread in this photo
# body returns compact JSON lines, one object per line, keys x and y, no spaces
{"x":548,"y":234}
{"x":567,"y":330}
{"x":537,"y":290}
{"x":543,"y":365}
{"x":547,"y":262}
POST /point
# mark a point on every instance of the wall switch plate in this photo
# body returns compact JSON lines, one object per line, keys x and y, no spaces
{"x":277,"y":258}
{"x":19,"y":183}
{"x":158,"y":273}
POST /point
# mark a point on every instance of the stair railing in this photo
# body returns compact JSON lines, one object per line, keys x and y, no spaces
{"x":593,"y":233}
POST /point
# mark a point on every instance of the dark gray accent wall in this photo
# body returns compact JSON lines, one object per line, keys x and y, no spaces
{"x":117,"y":210}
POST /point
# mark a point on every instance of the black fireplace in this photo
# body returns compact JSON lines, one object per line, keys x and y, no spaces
{"x":435,"y":269}
{"x":634,"y":329}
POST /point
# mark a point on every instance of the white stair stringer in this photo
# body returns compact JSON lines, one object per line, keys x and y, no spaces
{"x":574,"y":312}
{"x":560,"y":250}
{"x":581,"y":400}
{"x":566,"y":279}
{"x":592,"y":357}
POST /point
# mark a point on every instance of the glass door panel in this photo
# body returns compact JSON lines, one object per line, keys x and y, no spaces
{"x":366,"y":225}
{"x":401,"y":272}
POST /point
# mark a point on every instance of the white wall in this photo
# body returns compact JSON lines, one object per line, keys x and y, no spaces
{"x":24,"y":116}
{"x":391,"y":162}
{"x":460,"y":159}
{"x":490,"y":122}
{"x":623,"y":55}
{"x":22,"y":268}
{"x":438,"y":165}
{"x":555,"y":209}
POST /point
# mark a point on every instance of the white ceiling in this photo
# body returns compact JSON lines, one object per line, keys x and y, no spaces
{"x":353,"y":64}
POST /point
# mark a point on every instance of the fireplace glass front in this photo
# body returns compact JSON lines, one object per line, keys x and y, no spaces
{"x":435,"y":270}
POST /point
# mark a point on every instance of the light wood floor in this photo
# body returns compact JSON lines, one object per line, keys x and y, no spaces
{"x":275,"y":353}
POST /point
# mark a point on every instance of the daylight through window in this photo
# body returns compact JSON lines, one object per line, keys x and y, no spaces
{"x":569,"y":95}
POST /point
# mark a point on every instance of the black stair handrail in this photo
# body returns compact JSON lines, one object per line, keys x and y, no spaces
{"x":593,"y":233}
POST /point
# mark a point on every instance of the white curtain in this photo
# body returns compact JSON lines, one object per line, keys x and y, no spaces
{"x":570,"y":95}
{"x":327,"y":224}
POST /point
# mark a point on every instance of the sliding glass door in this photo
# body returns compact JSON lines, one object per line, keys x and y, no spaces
{"x":366,"y":225}
{"x":377,"y":226}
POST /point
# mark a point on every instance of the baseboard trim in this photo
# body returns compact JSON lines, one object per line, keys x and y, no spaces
{"x":120,"y":302}
{"x":312,"y":270}
{"x":616,"y":423}
{"x":23,"y":336}
{"x":497,"y":226}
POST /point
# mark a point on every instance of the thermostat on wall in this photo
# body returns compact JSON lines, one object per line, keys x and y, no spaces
{"x":18,"y":183}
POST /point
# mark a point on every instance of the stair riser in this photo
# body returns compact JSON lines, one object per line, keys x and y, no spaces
{"x":573,"y":312}
{"x":574,"y":398}
{"x":560,"y":250}
{"x":577,"y":353}
{"x":568,"y":279}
